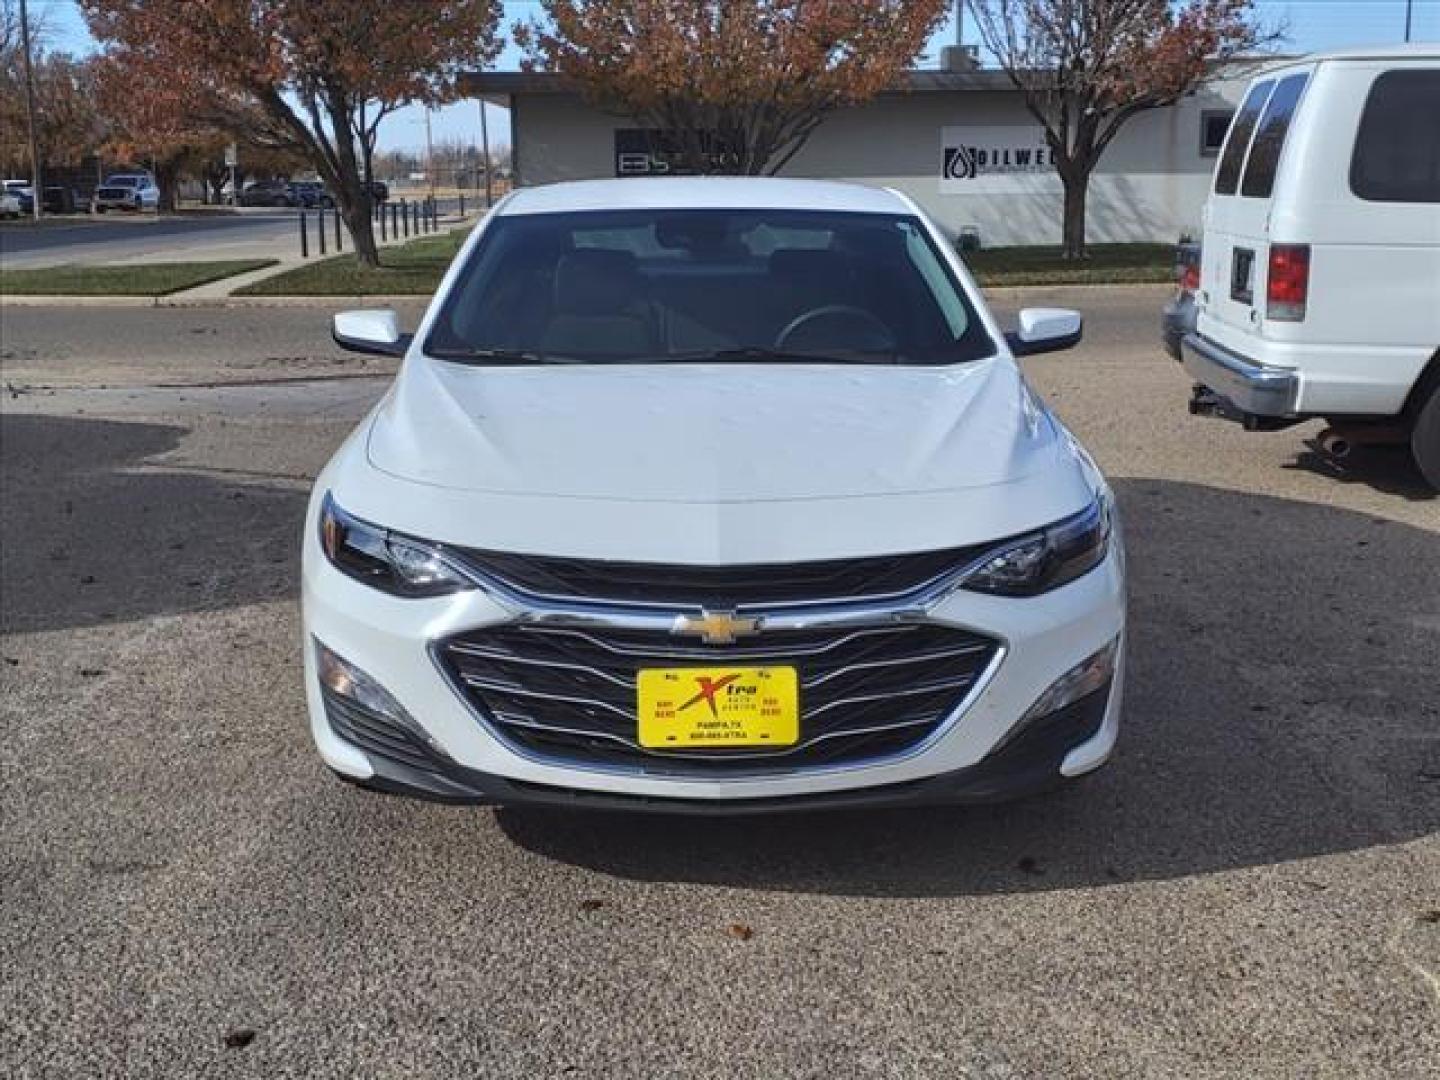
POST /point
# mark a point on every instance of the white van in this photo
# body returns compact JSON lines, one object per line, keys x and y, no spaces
{"x":1320,"y":272}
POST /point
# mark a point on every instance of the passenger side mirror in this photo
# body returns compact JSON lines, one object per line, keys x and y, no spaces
{"x":1043,"y":330}
{"x":375,"y":332}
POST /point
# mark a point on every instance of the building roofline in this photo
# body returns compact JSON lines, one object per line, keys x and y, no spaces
{"x":497,"y":87}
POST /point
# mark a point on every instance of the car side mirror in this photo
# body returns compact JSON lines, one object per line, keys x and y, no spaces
{"x":1043,"y":330}
{"x":374,"y":332}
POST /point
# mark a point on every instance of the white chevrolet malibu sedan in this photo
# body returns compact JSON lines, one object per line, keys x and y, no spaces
{"x":711,"y":495}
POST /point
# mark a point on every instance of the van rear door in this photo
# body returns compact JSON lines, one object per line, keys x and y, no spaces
{"x":1237,"y":226}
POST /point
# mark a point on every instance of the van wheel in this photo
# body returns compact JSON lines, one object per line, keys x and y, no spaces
{"x":1425,"y":439}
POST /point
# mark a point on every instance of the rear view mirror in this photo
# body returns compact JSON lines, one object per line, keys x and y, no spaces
{"x":1043,"y":330}
{"x":375,"y":332}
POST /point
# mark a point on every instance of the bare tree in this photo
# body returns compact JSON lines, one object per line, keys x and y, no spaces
{"x":1086,"y":67}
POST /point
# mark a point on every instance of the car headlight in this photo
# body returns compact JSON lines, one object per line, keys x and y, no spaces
{"x":1049,"y":558}
{"x":395,"y":564}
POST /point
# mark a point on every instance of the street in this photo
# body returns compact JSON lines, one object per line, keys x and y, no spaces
{"x":1251,"y":888}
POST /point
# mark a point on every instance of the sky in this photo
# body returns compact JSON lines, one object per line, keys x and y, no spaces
{"x":1313,"y":25}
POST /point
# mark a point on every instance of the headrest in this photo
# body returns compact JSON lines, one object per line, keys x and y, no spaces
{"x":596,"y":281}
{"x":805,"y":263}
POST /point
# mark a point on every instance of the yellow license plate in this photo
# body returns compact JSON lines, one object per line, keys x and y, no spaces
{"x":718,"y":707}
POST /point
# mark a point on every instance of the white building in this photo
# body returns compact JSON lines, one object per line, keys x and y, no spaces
{"x":959,"y":142}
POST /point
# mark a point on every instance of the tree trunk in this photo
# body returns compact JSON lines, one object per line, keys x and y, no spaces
{"x":167,"y":177}
{"x":361,"y":224}
{"x":1072,"y":239}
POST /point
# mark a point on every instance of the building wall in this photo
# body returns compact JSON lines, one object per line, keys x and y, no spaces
{"x":1150,"y":184}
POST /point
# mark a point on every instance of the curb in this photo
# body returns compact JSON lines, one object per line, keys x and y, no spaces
{"x":384,"y":300}
{"x":206,"y":302}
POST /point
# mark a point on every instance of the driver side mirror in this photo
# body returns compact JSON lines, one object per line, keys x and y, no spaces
{"x":375,"y":332}
{"x":1043,"y":330}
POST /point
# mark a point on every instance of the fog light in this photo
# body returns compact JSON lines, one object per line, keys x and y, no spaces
{"x":345,"y":680}
{"x":1091,"y":674}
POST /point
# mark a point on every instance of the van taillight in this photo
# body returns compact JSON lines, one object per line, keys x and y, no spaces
{"x":1289,"y":282}
{"x":1188,"y":277}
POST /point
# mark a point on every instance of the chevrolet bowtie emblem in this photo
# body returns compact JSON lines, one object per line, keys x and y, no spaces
{"x":716,"y":627}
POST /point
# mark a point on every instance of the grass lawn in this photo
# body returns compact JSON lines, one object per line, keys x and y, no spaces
{"x":1106,"y":264}
{"x":412,"y":269}
{"x":415,"y":268}
{"x":149,"y":279}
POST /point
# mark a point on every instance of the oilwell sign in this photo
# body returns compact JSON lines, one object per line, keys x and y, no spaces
{"x":996,"y":161}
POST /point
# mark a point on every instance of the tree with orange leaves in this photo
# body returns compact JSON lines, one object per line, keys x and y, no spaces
{"x":1085,"y":67}
{"x":315,"y":76}
{"x":736,"y":86}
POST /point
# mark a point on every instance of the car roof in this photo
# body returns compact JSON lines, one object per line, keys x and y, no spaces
{"x":1414,"y":51}
{"x":703,"y":193}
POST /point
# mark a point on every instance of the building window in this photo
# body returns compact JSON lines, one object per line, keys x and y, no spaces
{"x":1213,"y":126}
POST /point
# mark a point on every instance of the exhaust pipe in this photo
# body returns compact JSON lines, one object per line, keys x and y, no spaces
{"x":1334,"y":445}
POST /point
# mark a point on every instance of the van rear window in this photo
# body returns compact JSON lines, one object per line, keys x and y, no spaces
{"x":1397,"y":149}
{"x":1227,"y":176}
{"x":1259,"y":179}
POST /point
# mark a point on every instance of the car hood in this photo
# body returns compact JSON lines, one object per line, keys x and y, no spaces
{"x":689,"y":433}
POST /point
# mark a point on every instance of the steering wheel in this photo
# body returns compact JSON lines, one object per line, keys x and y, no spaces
{"x":856,"y":327}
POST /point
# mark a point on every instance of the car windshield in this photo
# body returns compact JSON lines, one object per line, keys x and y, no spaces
{"x":750,"y":286}
{"x":122,"y":181}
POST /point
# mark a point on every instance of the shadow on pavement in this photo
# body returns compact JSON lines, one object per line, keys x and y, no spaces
{"x":1388,"y":469}
{"x":88,"y":541}
{"x":1281,"y":704}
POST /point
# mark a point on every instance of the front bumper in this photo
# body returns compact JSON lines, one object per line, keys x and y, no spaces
{"x":1030,"y":764}
{"x":1177,"y":318}
{"x":462,"y":759}
{"x":1251,"y":387}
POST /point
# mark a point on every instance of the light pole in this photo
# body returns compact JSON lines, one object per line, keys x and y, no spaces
{"x":35,"y":189}
{"x":429,"y":154}
{"x":1409,"y":15}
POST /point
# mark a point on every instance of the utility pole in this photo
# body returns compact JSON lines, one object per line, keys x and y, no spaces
{"x":1409,"y":15}
{"x":36,"y":191}
{"x":485,"y":155}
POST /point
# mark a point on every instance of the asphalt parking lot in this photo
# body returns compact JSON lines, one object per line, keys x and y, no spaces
{"x":1250,"y":889}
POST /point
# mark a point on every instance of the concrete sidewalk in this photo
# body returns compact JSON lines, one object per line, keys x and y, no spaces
{"x":219,"y":293}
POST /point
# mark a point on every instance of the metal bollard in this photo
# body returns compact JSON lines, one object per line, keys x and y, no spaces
{"x":405,"y":217}
{"x":394,"y":221}
{"x":339,"y":245}
{"x":381,"y":209}
{"x":304,"y":237}
{"x":462,"y":204}
{"x":320,"y":229}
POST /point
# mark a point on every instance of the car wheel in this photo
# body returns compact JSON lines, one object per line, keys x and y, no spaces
{"x":1425,"y":439}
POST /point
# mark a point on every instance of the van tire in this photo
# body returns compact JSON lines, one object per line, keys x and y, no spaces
{"x":1425,"y":439}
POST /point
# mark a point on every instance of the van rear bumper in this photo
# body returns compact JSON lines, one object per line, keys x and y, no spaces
{"x":1254,"y":388}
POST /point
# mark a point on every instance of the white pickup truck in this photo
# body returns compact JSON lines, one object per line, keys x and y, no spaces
{"x":1319,"y":292}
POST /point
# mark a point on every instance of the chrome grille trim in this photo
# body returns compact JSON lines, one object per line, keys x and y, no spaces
{"x":588,"y":637}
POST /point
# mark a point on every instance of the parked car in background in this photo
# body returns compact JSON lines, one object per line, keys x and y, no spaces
{"x":311,"y":194}
{"x":719,"y":494}
{"x":23,"y":193}
{"x":1320,"y":272}
{"x":10,"y":206}
{"x":379,"y":191}
{"x":1177,"y":317}
{"x":61,"y":199}
{"x":127,"y":191}
{"x":268,"y":193}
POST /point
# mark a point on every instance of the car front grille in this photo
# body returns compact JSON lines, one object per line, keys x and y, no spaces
{"x":114,"y":193}
{"x":568,"y":693}
{"x":743,"y":586}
